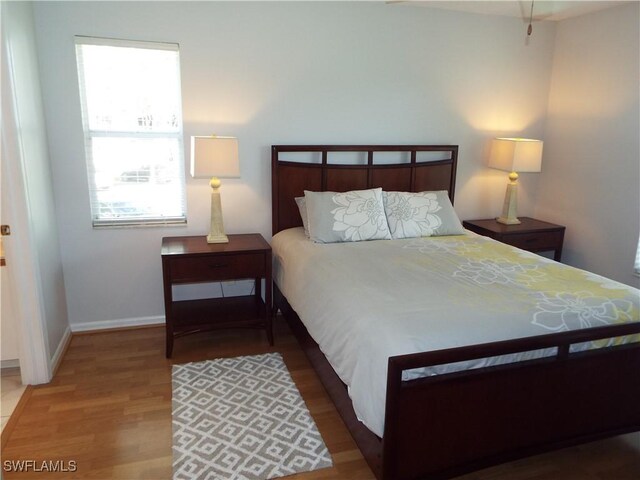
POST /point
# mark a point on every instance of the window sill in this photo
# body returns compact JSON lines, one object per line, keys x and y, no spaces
{"x":140,"y":224}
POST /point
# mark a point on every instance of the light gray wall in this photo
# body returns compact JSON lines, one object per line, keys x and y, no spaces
{"x":27,"y":109}
{"x":292,"y":72}
{"x":590,"y":178}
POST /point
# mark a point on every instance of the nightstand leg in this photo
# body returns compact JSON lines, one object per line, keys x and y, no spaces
{"x":268,"y":304}
{"x":258,"y":287}
{"x":270,"y":328}
{"x":168,"y":306}
{"x":169,"y":350}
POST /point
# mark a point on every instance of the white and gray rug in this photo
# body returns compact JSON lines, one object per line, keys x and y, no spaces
{"x":241,"y":418}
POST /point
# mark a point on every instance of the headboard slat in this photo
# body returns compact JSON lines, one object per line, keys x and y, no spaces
{"x":290,"y":179}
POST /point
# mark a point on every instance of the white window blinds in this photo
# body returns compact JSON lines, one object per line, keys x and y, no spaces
{"x":132,"y":120}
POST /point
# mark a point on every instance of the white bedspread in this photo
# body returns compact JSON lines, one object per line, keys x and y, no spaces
{"x":364,"y":302}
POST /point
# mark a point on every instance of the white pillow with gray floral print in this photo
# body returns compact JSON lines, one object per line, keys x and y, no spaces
{"x":346,"y":217}
{"x":302,"y":208}
{"x":423,"y":214}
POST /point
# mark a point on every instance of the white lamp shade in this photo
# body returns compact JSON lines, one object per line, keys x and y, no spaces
{"x":214,"y":157}
{"x":521,"y":155}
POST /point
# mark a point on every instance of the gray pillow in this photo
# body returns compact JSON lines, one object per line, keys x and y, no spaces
{"x":346,"y":217}
{"x":302,"y":206}
{"x":423,"y":214}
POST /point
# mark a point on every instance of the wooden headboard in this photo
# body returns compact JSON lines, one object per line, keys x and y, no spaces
{"x":404,"y":168}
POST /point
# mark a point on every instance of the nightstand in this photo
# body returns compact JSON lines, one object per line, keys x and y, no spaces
{"x":532,"y":235}
{"x":193,"y":260}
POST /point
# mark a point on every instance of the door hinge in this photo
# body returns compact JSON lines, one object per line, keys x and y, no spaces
{"x":5,"y":230}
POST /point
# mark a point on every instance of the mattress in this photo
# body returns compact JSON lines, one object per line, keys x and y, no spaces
{"x":363,"y":302}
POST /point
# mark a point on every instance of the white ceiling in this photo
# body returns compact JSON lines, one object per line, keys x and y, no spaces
{"x":542,"y":9}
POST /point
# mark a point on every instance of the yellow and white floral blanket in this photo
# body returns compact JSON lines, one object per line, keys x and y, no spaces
{"x":364,"y":302}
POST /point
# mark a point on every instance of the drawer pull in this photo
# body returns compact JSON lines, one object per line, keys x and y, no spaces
{"x":218,"y":265}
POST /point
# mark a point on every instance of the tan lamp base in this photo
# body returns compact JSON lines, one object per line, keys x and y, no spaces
{"x":216,"y":233}
{"x":510,"y":207}
{"x":221,"y":238}
{"x":508,"y":221}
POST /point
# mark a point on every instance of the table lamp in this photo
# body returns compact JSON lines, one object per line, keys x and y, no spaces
{"x":214,"y":157}
{"x":514,"y":155}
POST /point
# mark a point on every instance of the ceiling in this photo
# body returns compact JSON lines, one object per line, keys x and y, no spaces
{"x":542,"y":9}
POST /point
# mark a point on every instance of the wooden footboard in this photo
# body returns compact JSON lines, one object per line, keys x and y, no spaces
{"x":447,"y":425}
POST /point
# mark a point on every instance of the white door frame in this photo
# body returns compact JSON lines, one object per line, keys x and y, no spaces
{"x":21,"y":256}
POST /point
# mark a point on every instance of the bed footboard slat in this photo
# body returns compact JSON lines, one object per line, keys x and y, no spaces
{"x":446,"y":425}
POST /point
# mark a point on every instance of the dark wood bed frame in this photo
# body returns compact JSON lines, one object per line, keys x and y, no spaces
{"x":447,"y":425}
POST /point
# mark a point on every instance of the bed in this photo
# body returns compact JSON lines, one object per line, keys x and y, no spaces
{"x":443,"y":421}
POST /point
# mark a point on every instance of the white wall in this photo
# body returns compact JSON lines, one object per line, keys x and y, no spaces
{"x":591,"y":169}
{"x":292,"y":72}
{"x":27,"y":157}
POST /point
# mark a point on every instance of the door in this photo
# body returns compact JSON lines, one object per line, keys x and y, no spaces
{"x":9,"y":336}
{"x":22,"y":282}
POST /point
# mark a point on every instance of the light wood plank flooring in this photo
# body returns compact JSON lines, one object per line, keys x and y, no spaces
{"x":109,"y":409}
{"x":11,"y":390}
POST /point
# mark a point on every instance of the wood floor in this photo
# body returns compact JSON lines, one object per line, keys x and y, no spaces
{"x":109,"y":410}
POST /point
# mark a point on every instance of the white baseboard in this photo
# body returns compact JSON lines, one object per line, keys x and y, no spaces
{"x":62,"y":347}
{"x":13,"y":363}
{"x":117,"y":323}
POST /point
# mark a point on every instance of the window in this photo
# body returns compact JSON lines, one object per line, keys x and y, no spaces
{"x":132,"y":120}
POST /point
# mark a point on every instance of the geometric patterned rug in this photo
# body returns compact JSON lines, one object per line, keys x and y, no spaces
{"x":241,"y":418}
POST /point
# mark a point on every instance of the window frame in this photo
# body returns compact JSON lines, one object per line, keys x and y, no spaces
{"x":89,"y":134}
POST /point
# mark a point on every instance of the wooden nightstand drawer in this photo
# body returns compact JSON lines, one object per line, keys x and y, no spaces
{"x":534,"y":241}
{"x":207,"y":268}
